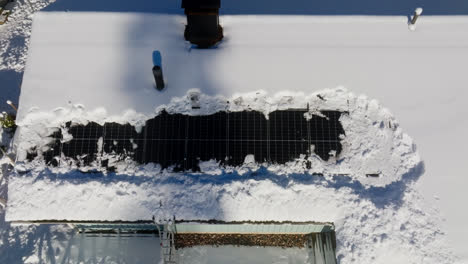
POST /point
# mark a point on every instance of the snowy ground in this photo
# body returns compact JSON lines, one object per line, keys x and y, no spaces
{"x":394,"y":224}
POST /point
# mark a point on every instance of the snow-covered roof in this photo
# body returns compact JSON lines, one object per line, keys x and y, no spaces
{"x":103,"y":61}
{"x":98,"y":67}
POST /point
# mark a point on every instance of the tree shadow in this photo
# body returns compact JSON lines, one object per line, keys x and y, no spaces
{"x":22,"y":242}
{"x":18,"y":243}
{"x":10,"y":83}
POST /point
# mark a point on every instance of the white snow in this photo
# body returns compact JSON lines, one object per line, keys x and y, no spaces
{"x":418,"y":75}
{"x":412,"y":27}
{"x":109,"y":55}
{"x":249,"y":159}
{"x":384,"y":210}
{"x":418,"y":11}
{"x":368,"y":221}
{"x":3,"y":138}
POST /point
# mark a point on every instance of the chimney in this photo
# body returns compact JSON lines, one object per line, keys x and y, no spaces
{"x":202,"y":27}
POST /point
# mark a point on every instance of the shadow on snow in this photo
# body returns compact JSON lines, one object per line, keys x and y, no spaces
{"x":389,"y":195}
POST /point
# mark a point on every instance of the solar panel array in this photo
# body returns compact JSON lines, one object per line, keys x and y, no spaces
{"x":184,"y":141}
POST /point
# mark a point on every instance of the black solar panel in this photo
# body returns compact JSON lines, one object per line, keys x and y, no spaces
{"x":122,"y":140}
{"x":164,"y":140}
{"x":289,"y":135}
{"x":53,"y":151}
{"x":207,"y":138}
{"x":325,"y":132}
{"x":247,"y":134}
{"x":83,"y":147}
{"x":183,"y":141}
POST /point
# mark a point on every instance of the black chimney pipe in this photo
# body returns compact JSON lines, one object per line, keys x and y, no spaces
{"x":202,"y":27}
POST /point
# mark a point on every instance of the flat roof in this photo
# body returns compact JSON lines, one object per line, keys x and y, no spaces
{"x":103,"y":60}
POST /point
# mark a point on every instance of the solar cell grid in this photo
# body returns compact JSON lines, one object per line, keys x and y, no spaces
{"x":54,"y":149}
{"x":288,"y":135}
{"x":247,"y":135}
{"x":83,"y":145}
{"x":164,"y":139}
{"x":184,"y":141}
{"x":89,"y":131}
{"x":247,"y":125}
{"x":118,"y":138}
{"x":209,"y":127}
{"x":288,"y":125}
{"x":84,"y":150}
{"x":325,"y":132}
{"x":206,"y":139}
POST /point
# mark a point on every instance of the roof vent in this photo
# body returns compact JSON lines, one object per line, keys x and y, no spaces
{"x":202,"y":27}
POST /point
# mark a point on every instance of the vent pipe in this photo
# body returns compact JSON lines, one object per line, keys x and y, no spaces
{"x":202,"y":27}
{"x":157,"y":70}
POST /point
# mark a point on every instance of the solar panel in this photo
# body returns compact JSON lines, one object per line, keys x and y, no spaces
{"x":164,"y":140}
{"x":207,"y":139}
{"x":83,"y":146}
{"x":122,"y":140}
{"x":53,"y":151}
{"x":182,"y":141}
{"x":325,"y":132}
{"x":247,"y":134}
{"x":289,"y":138}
